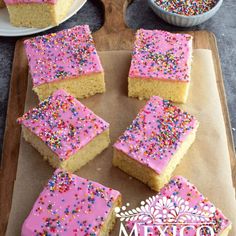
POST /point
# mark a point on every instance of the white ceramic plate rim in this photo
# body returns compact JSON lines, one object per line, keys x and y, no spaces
{"x":6,"y":29}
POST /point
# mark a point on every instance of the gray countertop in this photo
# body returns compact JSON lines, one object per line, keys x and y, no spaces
{"x":223,"y":25}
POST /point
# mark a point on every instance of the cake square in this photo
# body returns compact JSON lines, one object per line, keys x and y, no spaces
{"x":65,"y":60}
{"x":156,"y":141}
{"x":161,"y":64}
{"x":64,"y":131}
{"x":179,"y":207}
{"x":37,"y":13}
{"x":71,"y":205}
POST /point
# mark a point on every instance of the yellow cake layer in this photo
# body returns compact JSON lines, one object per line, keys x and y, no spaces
{"x":147,"y":175}
{"x":81,"y":87}
{"x":170,"y":90}
{"x":2,"y":4}
{"x":111,"y":219}
{"x":226,"y":231}
{"x":77,"y":160}
{"x":38,"y":15}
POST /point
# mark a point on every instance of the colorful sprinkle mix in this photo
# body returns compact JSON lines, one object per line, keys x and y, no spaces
{"x":156,"y":133}
{"x":186,"y":7}
{"x":70,"y":205}
{"x":63,"y":123}
{"x":161,"y":55}
{"x":63,"y":55}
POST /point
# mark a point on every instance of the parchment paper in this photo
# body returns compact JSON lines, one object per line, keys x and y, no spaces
{"x":206,"y":164}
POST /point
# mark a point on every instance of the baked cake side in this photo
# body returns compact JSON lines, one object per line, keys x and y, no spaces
{"x":179,"y":204}
{"x":37,"y":13}
{"x":161,"y":65}
{"x":156,"y":141}
{"x":65,"y":132}
{"x":71,"y":205}
{"x":65,"y":60}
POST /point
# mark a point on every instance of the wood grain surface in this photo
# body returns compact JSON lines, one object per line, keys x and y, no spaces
{"x":114,"y":35}
{"x":16,"y":103}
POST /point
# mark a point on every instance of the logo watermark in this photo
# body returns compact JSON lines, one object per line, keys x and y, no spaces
{"x":166,"y":216}
{"x":162,"y":230}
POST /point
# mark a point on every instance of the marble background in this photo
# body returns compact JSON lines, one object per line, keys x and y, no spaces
{"x":138,"y":15}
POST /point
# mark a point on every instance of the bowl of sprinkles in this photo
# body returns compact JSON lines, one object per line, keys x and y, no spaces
{"x":185,"y":13}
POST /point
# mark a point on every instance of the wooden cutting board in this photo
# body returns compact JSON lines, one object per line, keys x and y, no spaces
{"x":114,"y":35}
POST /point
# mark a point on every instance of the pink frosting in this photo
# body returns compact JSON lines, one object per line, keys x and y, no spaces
{"x":70,"y":205}
{"x":29,"y":1}
{"x":156,"y":134}
{"x":161,"y":55}
{"x":63,"y":123}
{"x":179,"y":203}
{"x":63,"y":55}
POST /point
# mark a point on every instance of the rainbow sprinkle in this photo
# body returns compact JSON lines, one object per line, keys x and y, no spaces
{"x":161,"y":55}
{"x":63,"y":55}
{"x":156,"y":133}
{"x":186,"y":7}
{"x":63,"y":123}
{"x":70,"y":205}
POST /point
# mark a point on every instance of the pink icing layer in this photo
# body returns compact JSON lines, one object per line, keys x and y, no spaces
{"x":29,"y":1}
{"x":156,"y":134}
{"x":180,"y":204}
{"x":63,"y":123}
{"x":70,"y":205}
{"x":63,"y":55}
{"x":161,"y":55}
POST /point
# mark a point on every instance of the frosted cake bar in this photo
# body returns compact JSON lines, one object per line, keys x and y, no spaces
{"x":64,"y":131}
{"x":156,"y":141}
{"x":65,"y":60}
{"x":71,"y":205}
{"x":37,"y":13}
{"x":161,"y":64}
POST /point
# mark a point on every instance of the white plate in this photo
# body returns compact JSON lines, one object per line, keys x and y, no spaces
{"x":6,"y":29}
